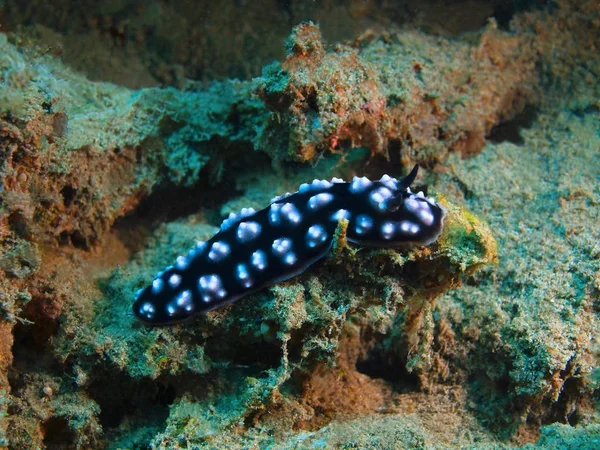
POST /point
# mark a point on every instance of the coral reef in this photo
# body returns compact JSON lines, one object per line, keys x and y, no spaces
{"x":486,"y":339}
{"x":408,"y":96}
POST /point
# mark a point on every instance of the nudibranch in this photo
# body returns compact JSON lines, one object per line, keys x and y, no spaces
{"x":255,"y":249}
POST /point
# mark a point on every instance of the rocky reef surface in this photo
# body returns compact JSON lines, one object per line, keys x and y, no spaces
{"x":113,"y":162}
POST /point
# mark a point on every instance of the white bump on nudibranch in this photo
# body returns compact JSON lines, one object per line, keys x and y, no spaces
{"x":219,"y":251}
{"x":174,"y":280}
{"x":340,"y":214}
{"x":247,"y":231}
{"x":290,"y":258}
{"x":183,"y":302}
{"x":280,"y":197}
{"x":412,"y":205}
{"x":291,"y":213}
{"x":211,"y":287}
{"x":157,"y":285}
{"x":245,"y":212}
{"x":319,"y":200}
{"x":421,"y":195}
{"x":424,"y":213}
{"x":242,"y":274}
{"x":274,"y":210}
{"x":315,"y":236}
{"x":200,"y":246}
{"x":389,"y":182}
{"x":363,"y":224}
{"x":421,"y":209}
{"x":147,"y":310}
{"x":281,"y":246}
{"x":181,"y":262}
{"x":258,"y":260}
{"x":320,"y":184}
{"x":426,"y":216}
{"x":229,"y":221}
{"x":409,"y":227}
{"x":379,"y":196}
{"x":387,"y":230}
{"x":234,"y":217}
{"x":304,"y":187}
{"x":359,"y":184}
{"x":337,"y":180}
{"x":316,"y":185}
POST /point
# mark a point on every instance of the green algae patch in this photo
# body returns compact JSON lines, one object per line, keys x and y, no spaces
{"x":528,"y":331}
{"x":467,"y":240}
{"x":560,"y":436}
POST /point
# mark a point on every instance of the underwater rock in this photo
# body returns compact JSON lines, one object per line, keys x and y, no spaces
{"x":377,"y":335}
{"x":404,"y":95}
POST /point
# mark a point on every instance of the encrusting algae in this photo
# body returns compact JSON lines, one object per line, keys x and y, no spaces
{"x":485,"y":338}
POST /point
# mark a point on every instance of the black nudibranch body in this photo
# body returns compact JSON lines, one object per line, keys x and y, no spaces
{"x":254,"y":249}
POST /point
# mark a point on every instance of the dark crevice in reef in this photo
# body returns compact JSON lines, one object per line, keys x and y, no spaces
{"x":383,"y":362}
{"x":124,"y":403}
{"x":174,"y":202}
{"x":510,"y":131}
{"x":127,"y":403}
{"x":564,"y":409}
{"x":247,"y":354}
{"x":504,"y":11}
{"x":18,"y":225}
{"x":378,"y":364}
{"x":386,"y":358}
{"x":30,"y":352}
{"x":493,"y":408}
{"x":488,"y":392}
{"x":491,"y":393}
{"x":570,"y":407}
{"x":75,"y":238}
{"x":216,"y":185}
{"x":58,"y":435}
{"x":33,"y":366}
